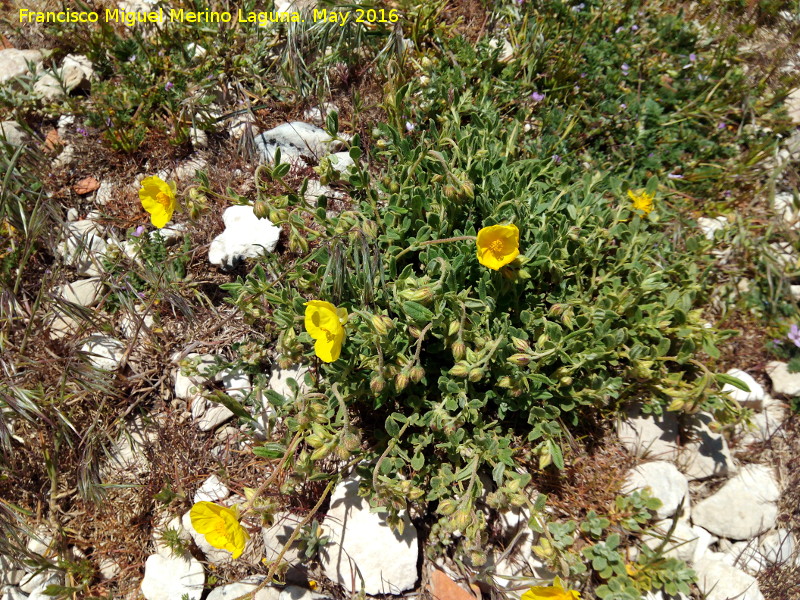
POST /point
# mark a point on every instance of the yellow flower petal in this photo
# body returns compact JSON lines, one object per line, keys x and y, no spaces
{"x":220,"y":526}
{"x":553,"y":592}
{"x":642,"y":200}
{"x":498,"y":245}
{"x":324,"y":324}
{"x":158,"y":199}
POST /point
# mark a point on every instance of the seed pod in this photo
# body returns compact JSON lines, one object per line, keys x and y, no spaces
{"x":395,"y":187}
{"x":459,"y":350}
{"x":467,"y":189}
{"x":342,"y":452}
{"x":520,"y":345}
{"x":520,"y":360}
{"x":476,"y":374}
{"x":351,"y":440}
{"x":460,"y":369}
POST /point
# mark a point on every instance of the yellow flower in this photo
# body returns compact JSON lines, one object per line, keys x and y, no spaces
{"x":498,"y":245}
{"x":158,"y":198}
{"x":324,"y":325}
{"x":553,"y":592}
{"x":220,"y":526}
{"x":642,"y":200}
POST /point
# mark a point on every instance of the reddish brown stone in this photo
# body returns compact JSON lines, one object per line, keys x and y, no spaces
{"x":441,"y":587}
{"x":86,"y":186}
{"x":53,"y":140}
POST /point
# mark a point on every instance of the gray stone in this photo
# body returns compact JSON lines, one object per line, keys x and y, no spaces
{"x":109,"y":568}
{"x":279,"y":378}
{"x":276,"y":537}
{"x":720,"y":581}
{"x":318,"y":114}
{"x":10,"y":573}
{"x":704,"y":541}
{"x":137,"y":323}
{"x":82,"y":247}
{"x":76,"y":72}
{"x":386,"y":561}
{"x":784,"y":254}
{"x":236,"y":382}
{"x":268,"y":593}
{"x":742,"y":508}
{"x":169,"y":523}
{"x":14,"y":63}
{"x":12,"y":592}
{"x":13,"y":133}
{"x":778,"y":547}
{"x":209,"y":414}
{"x":706,"y":454}
{"x":245,"y":236}
{"x":293,"y":592}
{"x":743,"y":555}
{"x":38,"y":592}
{"x":191,"y":384}
{"x":295,"y":140}
{"x":211,"y":490}
{"x":198,"y":138}
{"x":85,"y":292}
{"x":104,"y":352}
{"x":783,"y":382}
{"x":171,"y":578}
{"x":232,"y":591}
{"x":752,"y":399}
{"x":649,"y":436}
{"x":35,"y":583}
{"x":104,"y":194}
{"x":766,"y":424}
{"x":784,"y":207}
{"x":665,"y":483}
{"x":128,"y":453}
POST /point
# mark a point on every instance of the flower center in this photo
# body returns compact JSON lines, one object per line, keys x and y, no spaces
{"x":163,"y":200}
{"x":496,"y":246}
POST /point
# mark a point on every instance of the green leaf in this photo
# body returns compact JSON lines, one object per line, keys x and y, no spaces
{"x":392,"y":428}
{"x":417,"y":312}
{"x":418,"y":461}
{"x":281,"y":170}
{"x":270,"y":450}
{"x":723,"y":378}
{"x":332,"y":123}
{"x":231,"y":404}
{"x":555,"y":454}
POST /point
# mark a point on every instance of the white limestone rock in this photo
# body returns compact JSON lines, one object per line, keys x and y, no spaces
{"x":742,"y":508}
{"x":76,"y":72}
{"x":783,"y":382}
{"x":766,"y":424}
{"x":212,"y":490}
{"x":743,"y":555}
{"x":784,"y":207}
{"x":318,"y":114}
{"x":386,"y":560}
{"x":104,"y":352}
{"x":705,"y":539}
{"x":236,"y":382}
{"x":279,"y":380}
{"x":295,"y":140}
{"x":109,"y":568}
{"x":175,"y":526}
{"x":664,"y":481}
{"x":129,"y":451}
{"x":241,"y":124}
{"x":13,"y":133}
{"x":720,"y":581}
{"x":681,"y":544}
{"x":706,"y":454}
{"x":649,"y":436}
{"x":39,"y":582}
{"x":276,"y":537}
{"x":171,"y":578}
{"x":754,"y":398}
{"x":710,"y":225}
{"x":12,"y":592}
{"x":104,"y":194}
{"x":784,"y":254}
{"x":245,"y":236}
{"x":137,"y":323}
{"x":778,"y":547}
{"x":85,"y":292}
{"x":198,"y":138}
{"x":208,"y":414}
{"x":82,"y":247}
{"x":268,"y":593}
{"x":506,"y":49}
{"x":232,"y":591}
{"x":15,"y":63}
{"x":192,"y":375}
{"x":195,"y":51}
{"x":215,"y":556}
{"x":10,"y":573}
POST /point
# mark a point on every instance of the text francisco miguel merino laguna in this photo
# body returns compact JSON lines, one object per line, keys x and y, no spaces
{"x":178,"y":15}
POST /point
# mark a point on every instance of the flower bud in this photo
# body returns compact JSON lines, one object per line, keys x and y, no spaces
{"x":467,"y":189}
{"x":556,"y":310}
{"x":401,"y":380}
{"x":423,"y":295}
{"x":476,"y":374}
{"x":459,"y":350}
{"x":261,"y":209}
{"x":370,"y":228}
{"x":520,"y":345}
{"x":504,"y":382}
{"x":477,"y":558}
{"x":385,"y":180}
{"x":414,"y":331}
{"x":450,"y":192}
{"x":284,"y":362}
{"x":480,"y":342}
{"x":519,"y":360}
{"x":565,"y":381}
{"x":460,"y":369}
{"x":447,"y":507}
{"x":351,"y":440}
{"x":342,"y":452}
{"x":453,"y":328}
{"x":314,"y":440}
{"x":461,"y":519}
{"x":376,"y":384}
{"x":417,"y":373}
{"x":321,"y":452}
{"x":395,"y":187}
{"x":381,"y":324}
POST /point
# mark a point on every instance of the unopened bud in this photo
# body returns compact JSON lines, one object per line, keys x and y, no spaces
{"x":342,"y":452}
{"x":453,"y":328}
{"x":376,"y":384}
{"x":321,"y":452}
{"x":370,"y":228}
{"x":450,"y":191}
{"x":401,"y":380}
{"x":520,"y":345}
{"x":414,"y":331}
{"x":417,"y":373}
{"x":447,"y":507}
{"x":476,"y":374}
{"x":261,"y":209}
{"x":459,"y":350}
{"x":520,"y":360}
{"x":314,"y":440}
{"x":460,"y":370}
{"x":504,"y":382}
{"x":381,"y":324}
{"x":565,"y":381}
{"x":556,"y":310}
{"x":351,"y":440}
{"x":467,"y":189}
{"x":423,"y":294}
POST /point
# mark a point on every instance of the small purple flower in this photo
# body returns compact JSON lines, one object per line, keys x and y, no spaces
{"x":794,"y":335}
{"x":556,"y":159}
{"x":409,"y":126}
{"x":82,"y":131}
{"x":720,"y":125}
{"x":692,"y":57}
{"x":625,"y":68}
{"x":674,"y":176}
{"x":619,"y":29}
{"x":141,"y":295}
{"x":108,"y":121}
{"x":623,"y":106}
{"x":651,"y":155}
{"x":579,"y":7}
{"x":583,"y":75}
{"x":727,"y":193}
{"x":169,"y":85}
{"x":537,"y":97}
{"x":634,"y":28}
{"x":777,"y":341}
{"x":139,"y":231}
